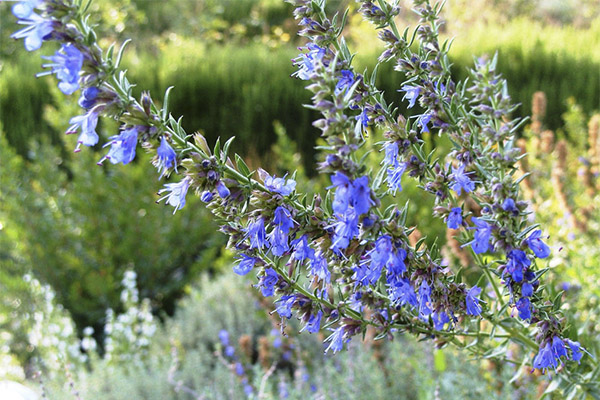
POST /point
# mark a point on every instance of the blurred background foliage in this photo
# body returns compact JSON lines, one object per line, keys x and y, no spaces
{"x":78,"y":227}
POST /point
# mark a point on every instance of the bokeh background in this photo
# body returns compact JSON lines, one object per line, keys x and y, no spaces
{"x":77,"y":239}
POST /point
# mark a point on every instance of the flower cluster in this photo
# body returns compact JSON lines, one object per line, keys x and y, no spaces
{"x":345,"y":262}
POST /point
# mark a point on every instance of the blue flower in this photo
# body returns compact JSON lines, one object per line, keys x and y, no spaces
{"x":343,"y":192}
{"x":66,"y":64}
{"x":539,"y":248}
{"x":224,"y":337}
{"x":256,"y":233}
{"x":524,"y":308}
{"x":239,"y":369}
{"x":395,"y":265}
{"x":423,"y":121}
{"x":424,"y":298}
{"x":455,"y":218}
{"x":176,"y":197}
{"x":545,"y":359}
{"x":229,"y":351}
{"x":517,"y":264}
{"x":412,"y":94}
{"x":361,"y":195}
{"x":575,"y":350}
{"x":87,"y":123}
{"x":278,"y":239}
{"x":558,"y":348}
{"x":472,"y":301}
{"x":439,"y":320}
{"x":223,"y":190}
{"x":318,"y":268}
{"x":206,"y":196}
{"x":336,"y":339}
{"x":363,"y":118}
{"x":283,"y":219}
{"x":401,"y":292}
{"x":346,"y":228}
{"x":268,"y":281}
{"x":245,"y":265}
{"x":314,"y":322}
{"x":122,"y":146}
{"x":284,"y":306}
{"x":280,"y":185}
{"x":302,"y":250}
{"x":391,"y":154}
{"x":483,"y":232}
{"x":527,"y":289}
{"x":345,"y":82}
{"x":37,"y":30}
{"x":307,"y":61}
{"x":510,"y":206}
{"x":88,"y":97}
{"x":461,"y":180}
{"x":394,"y":177}
{"x":166,"y":157}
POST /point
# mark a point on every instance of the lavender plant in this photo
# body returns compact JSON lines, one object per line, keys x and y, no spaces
{"x":342,"y":261}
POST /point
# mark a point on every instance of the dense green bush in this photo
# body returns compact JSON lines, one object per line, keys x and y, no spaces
{"x":80,"y":234}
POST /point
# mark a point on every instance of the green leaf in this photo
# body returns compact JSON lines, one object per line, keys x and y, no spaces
{"x":242,"y":166}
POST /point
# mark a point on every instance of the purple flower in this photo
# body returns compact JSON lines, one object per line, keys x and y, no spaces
{"x":176,"y":197}
{"x":517,"y":264}
{"x":206,"y":196}
{"x":461,"y":180}
{"x":245,"y":265}
{"x":283,"y":219}
{"x":539,"y":248}
{"x":66,"y":64}
{"x":472,"y":301}
{"x":394,"y":177}
{"x":424,"y":298}
{"x":122,"y":146}
{"x":343,"y":192}
{"x":411,"y":94}
{"x":302,"y":250}
{"x":545,"y":359}
{"x":558,"y":348}
{"x":423,"y":120}
{"x":524,"y":308}
{"x":239,"y":369}
{"x":336,"y":340}
{"x":280,"y":185}
{"x":439,"y":320}
{"x":308,"y":61}
{"x":481,"y":242}
{"x":278,"y":239}
{"x":37,"y":30}
{"x":455,"y":218}
{"x":166,"y":157}
{"x":391,"y":154}
{"x":88,"y":97}
{"x":314,"y":322}
{"x":363,"y":118}
{"x":345,"y":82}
{"x":401,"y":292}
{"x":346,"y":228}
{"x":268,"y":281}
{"x":229,"y":351}
{"x":361,"y":195}
{"x":256,"y":233}
{"x":224,"y":337}
{"x":318,"y":268}
{"x":87,"y":123}
{"x":575,"y":350}
{"x":284,"y":306}
{"x":510,"y":206}
{"x":527,"y":289}
{"x":223,"y":190}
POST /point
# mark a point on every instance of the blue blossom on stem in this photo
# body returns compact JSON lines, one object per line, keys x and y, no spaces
{"x":318,"y":268}
{"x":423,"y":122}
{"x":66,"y":64}
{"x":558,"y":348}
{"x":545,"y":359}
{"x":278,"y":239}
{"x":539,"y":248}
{"x":256,"y":233}
{"x":510,"y":205}
{"x":394,"y":177}
{"x":345,"y":229}
{"x":122,"y":146}
{"x":206,"y":196}
{"x":177,"y":192}
{"x":363,"y":118}
{"x":343,"y":192}
{"x":166,"y":157}
{"x":314,"y":322}
{"x":575,"y":350}
{"x":472,"y":301}
{"x":280,"y":185}
{"x":517,"y":264}
{"x":223,"y":190}
{"x":391,"y":154}
{"x":284,"y":306}
{"x":224,"y":337}
{"x":455,"y":218}
{"x":411,"y":94}
{"x":244,"y":265}
{"x":424,"y":298}
{"x":361,"y":195}
{"x":302,"y":250}
{"x":336,"y":340}
{"x":37,"y":30}
{"x":483,"y":232}
{"x":88,"y":97}
{"x":524,"y":308}
{"x":527,"y":289}
{"x":461,"y":180}
{"x":401,"y":292}
{"x":267,"y":282}
{"x":439,"y":320}
{"x":283,"y":219}
{"x":87,"y":123}
{"x":345,"y":82}
{"x":307,"y":61}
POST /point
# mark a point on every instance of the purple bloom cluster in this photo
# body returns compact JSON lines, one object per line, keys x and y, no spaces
{"x":554,"y":352}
